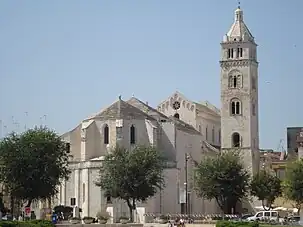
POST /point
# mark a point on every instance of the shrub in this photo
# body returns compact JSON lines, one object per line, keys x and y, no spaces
{"x":103,"y":215}
{"x":164,"y":217}
{"x":124,"y":218}
{"x":236,"y":224}
{"x":33,"y":223}
{"x":41,"y":223}
{"x":87,"y":218}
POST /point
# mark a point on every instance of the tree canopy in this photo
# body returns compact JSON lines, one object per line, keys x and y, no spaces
{"x":222,"y":178}
{"x":132,"y":175}
{"x":33,"y":163}
{"x":293,"y":183}
{"x":267,"y":187}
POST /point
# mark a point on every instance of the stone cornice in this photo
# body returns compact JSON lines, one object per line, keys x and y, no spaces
{"x":238,"y":42}
{"x":226,"y":65}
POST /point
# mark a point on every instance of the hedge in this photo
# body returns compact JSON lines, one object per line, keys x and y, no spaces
{"x":236,"y":224}
{"x":32,"y":223}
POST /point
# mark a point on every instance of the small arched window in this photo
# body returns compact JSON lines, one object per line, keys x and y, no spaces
{"x":132,"y":134}
{"x":236,"y":140}
{"x":200,"y":129}
{"x":235,"y":81}
{"x":106,"y":134}
{"x":235,"y":107}
{"x":206,"y":133}
{"x":213,"y":135}
{"x":177,"y":116}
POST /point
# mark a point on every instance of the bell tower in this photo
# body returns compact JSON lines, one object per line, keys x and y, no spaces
{"x":239,"y":92}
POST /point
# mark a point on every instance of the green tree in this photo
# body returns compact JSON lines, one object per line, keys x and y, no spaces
{"x":132,"y":175}
{"x":33,"y":163}
{"x":222,"y":178}
{"x":293,"y":183}
{"x":266,"y":187}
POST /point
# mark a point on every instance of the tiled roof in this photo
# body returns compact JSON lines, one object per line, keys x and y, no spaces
{"x":206,"y":106}
{"x":121,"y":110}
{"x":181,"y":125}
{"x":239,"y":30}
{"x":145,"y":108}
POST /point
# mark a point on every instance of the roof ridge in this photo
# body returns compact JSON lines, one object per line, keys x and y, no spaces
{"x":148,"y":106}
{"x":120,"y":109}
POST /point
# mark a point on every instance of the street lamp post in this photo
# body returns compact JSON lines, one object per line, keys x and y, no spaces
{"x":186,"y":183}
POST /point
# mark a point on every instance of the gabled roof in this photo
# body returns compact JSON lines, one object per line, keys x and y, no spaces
{"x":206,"y":106}
{"x":181,"y":125}
{"x":145,"y":108}
{"x":121,"y":110}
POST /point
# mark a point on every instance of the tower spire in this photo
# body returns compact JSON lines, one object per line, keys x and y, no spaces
{"x":238,"y":31}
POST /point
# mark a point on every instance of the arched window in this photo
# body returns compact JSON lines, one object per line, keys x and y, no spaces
{"x":200,"y":129}
{"x":219,"y":133}
{"x":177,"y":116}
{"x":235,"y":107}
{"x":213,"y":135}
{"x":106,"y":134}
{"x":235,"y":81}
{"x":132,"y":134}
{"x":236,"y":140}
{"x":206,"y":133}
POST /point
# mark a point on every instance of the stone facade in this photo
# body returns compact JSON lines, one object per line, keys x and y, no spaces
{"x":128,"y":124}
{"x":203,"y":116}
{"x":239,"y":92}
{"x":292,"y":143}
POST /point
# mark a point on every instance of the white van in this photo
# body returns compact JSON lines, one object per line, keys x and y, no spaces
{"x":264,"y":215}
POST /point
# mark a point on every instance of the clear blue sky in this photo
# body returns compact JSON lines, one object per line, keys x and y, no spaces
{"x":68,"y":59}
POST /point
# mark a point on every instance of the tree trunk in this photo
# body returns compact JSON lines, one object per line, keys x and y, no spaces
{"x":264,"y":205}
{"x":131,"y":214}
{"x":29,"y":203}
{"x":130,"y":208}
{"x":12,"y":205}
{"x":221,"y":206}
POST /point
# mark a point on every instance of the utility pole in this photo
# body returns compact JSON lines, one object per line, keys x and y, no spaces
{"x":186,"y":184}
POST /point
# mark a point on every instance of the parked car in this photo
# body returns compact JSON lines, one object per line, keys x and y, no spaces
{"x":294,"y":220}
{"x":265,"y":216}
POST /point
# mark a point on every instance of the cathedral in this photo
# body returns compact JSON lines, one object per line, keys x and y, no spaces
{"x":184,"y":130}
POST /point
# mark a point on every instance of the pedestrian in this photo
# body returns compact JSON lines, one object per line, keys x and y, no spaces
{"x":182,"y":222}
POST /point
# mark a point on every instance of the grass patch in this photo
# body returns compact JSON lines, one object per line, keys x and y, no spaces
{"x":277,"y":225}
